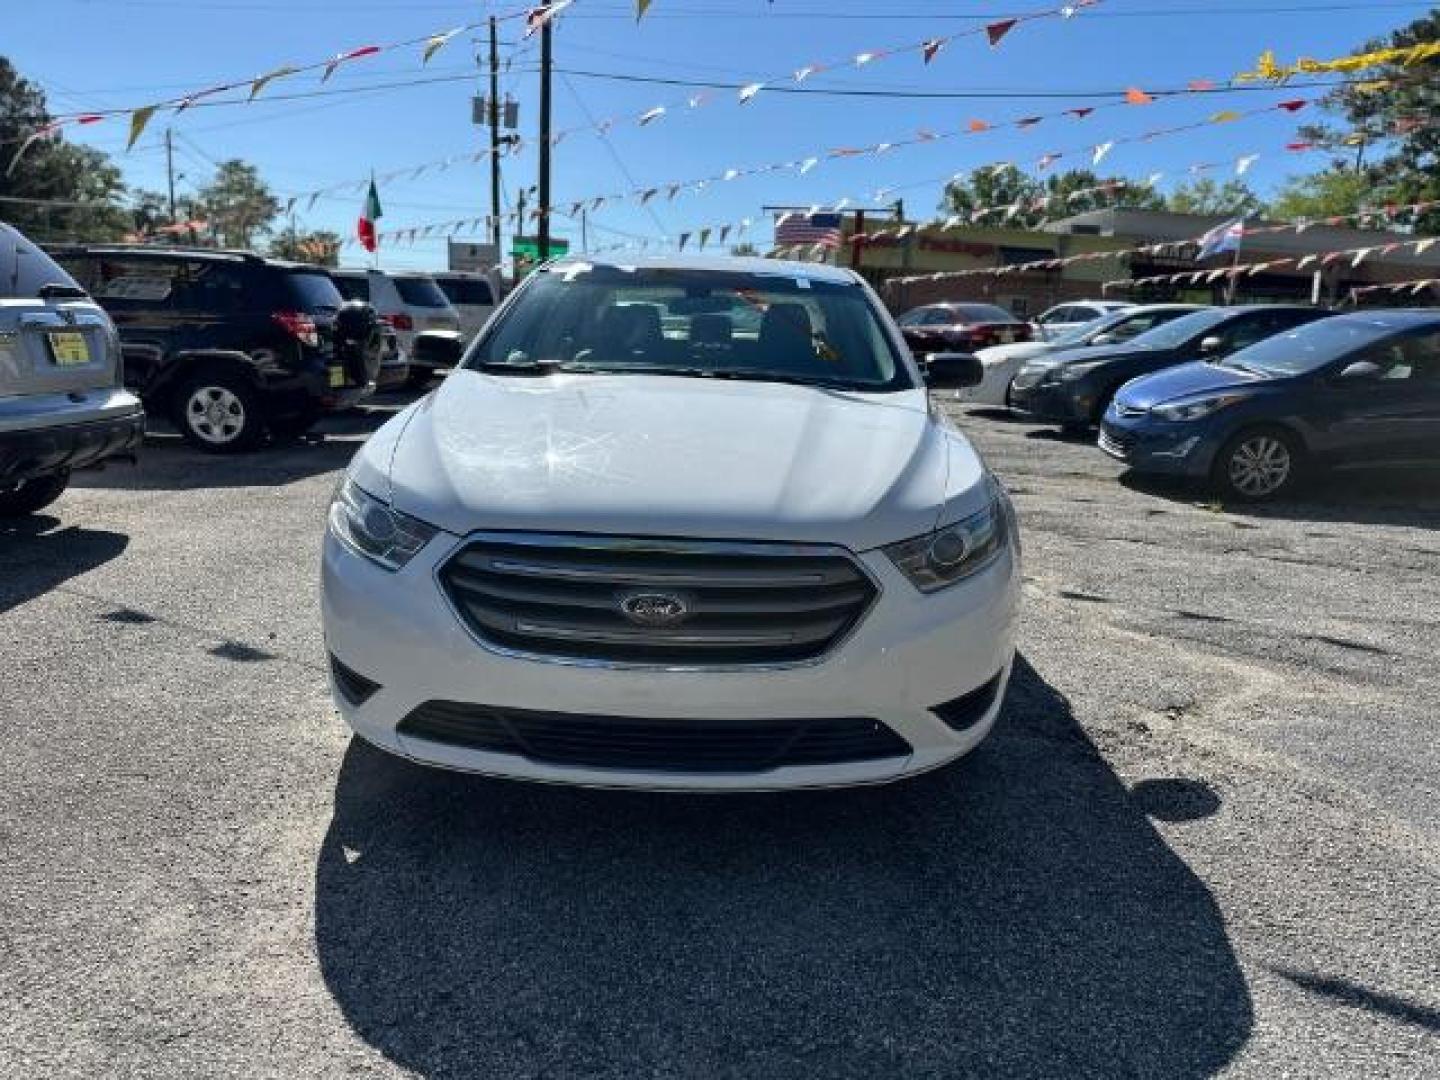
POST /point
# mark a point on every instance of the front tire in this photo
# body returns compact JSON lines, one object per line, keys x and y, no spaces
{"x":1259,"y":464}
{"x":220,"y":413}
{"x":31,"y":495}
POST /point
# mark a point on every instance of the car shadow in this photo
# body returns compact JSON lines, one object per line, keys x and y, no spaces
{"x":1408,"y":497}
{"x":168,"y":463}
{"x":37,"y":554}
{"x":1013,"y":915}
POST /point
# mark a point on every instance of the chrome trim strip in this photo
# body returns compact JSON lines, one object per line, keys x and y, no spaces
{"x":660,"y":545}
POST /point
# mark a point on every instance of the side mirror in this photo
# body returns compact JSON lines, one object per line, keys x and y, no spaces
{"x":438,"y":348}
{"x":1361,"y":369}
{"x":953,"y":371}
{"x":1211,"y":345}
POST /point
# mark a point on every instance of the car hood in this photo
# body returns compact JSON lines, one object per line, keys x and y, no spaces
{"x":1099,"y":354}
{"x":1021,"y":350}
{"x":1187,"y":380}
{"x":663,"y":456}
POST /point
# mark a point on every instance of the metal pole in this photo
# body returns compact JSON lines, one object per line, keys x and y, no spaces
{"x":170,"y":171}
{"x":584,"y":230}
{"x":494,"y":139}
{"x":546,"y":59}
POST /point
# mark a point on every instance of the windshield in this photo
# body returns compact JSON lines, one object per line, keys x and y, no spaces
{"x":420,"y":292}
{"x":679,"y":321}
{"x":351,"y":286}
{"x":1312,"y":346}
{"x":1182,"y":329}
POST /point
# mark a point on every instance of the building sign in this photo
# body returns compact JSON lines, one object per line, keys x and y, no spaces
{"x":472,"y":258}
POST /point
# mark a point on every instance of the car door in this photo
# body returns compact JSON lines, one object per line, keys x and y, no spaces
{"x":1391,"y":413}
{"x":138,"y":292}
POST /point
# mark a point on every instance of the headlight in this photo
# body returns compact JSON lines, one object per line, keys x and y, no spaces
{"x":371,"y":528}
{"x":1072,"y":372}
{"x":1195,"y":410}
{"x":954,"y":552}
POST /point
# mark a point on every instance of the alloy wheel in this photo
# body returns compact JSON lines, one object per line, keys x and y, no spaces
{"x":1260,"y":466}
{"x":215,"y":414}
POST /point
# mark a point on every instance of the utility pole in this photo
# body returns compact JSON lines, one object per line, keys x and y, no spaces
{"x":170,"y":171}
{"x":546,"y":59}
{"x":494,"y":140}
{"x":584,"y":231}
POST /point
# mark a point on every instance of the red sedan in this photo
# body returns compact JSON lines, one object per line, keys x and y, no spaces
{"x":960,"y":328}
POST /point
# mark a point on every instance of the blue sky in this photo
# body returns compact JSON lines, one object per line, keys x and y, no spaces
{"x":94,"y":54}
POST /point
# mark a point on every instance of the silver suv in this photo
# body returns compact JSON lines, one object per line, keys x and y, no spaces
{"x":62,"y":405}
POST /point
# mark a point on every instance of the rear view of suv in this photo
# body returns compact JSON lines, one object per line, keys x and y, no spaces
{"x":61,"y":402}
{"x":230,"y":345}
{"x":413,"y":305}
{"x":473,"y":296}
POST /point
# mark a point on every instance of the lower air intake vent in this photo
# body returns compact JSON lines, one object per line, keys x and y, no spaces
{"x":612,"y":742}
{"x":355,"y":688}
{"x":967,"y":710}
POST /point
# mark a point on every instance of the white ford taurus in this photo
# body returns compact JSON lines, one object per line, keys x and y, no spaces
{"x":679,"y":523}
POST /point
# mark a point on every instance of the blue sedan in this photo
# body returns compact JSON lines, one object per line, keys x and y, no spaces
{"x":1357,"y":389}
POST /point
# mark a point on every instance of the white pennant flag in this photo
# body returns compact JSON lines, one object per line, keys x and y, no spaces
{"x":1360,"y":256}
{"x":652,"y":115}
{"x":1242,"y":166}
{"x":1422,"y":246}
{"x":1101,"y":150}
{"x":748,"y":92}
{"x":1306,"y":261}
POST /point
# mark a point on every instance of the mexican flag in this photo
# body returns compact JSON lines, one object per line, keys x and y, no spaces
{"x":369,"y":214}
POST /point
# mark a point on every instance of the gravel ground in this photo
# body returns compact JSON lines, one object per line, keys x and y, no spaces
{"x":1203,"y":839}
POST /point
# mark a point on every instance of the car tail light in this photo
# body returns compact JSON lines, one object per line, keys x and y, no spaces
{"x":399,"y":321}
{"x":299,"y":326}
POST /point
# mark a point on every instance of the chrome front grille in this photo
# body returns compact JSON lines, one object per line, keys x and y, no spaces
{"x":663,"y":603}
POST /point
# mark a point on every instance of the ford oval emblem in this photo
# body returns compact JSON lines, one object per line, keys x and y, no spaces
{"x":654,"y":608}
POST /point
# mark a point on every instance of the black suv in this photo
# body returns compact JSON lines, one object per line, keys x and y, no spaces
{"x":231,"y":345}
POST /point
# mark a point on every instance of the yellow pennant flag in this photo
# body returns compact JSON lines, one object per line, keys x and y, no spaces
{"x":641,"y":6}
{"x":436,"y":43}
{"x":264,"y":80}
{"x":1224,"y":117}
{"x":138,"y":119}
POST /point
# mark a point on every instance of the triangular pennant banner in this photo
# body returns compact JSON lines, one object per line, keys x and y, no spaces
{"x":996,"y":31}
{"x":138,"y":119}
{"x":1136,"y":96}
{"x":264,"y":80}
{"x":437,"y":42}
{"x":930,"y":48}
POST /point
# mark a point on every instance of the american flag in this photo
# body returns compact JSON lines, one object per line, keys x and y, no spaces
{"x":798,"y":230}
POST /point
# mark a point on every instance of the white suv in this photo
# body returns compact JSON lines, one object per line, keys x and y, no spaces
{"x":681,"y":523}
{"x":411,"y":303}
{"x":473,"y":296}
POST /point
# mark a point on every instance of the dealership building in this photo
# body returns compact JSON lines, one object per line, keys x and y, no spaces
{"x":992,"y":264}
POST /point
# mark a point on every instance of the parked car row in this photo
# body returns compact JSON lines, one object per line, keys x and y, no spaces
{"x":1244,"y":398}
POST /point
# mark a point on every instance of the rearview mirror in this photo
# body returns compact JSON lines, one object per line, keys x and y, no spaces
{"x":438,"y":348}
{"x":1212,"y":344}
{"x":1361,"y":369}
{"x":952,"y":371}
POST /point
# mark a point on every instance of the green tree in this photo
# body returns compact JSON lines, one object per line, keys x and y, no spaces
{"x":1205,"y":196}
{"x":998,"y":189}
{"x":1078,"y":191}
{"x":989,"y":188}
{"x":1322,"y":195}
{"x":237,"y":204}
{"x":40,"y":187}
{"x":319,"y":246}
{"x":1387,"y":138}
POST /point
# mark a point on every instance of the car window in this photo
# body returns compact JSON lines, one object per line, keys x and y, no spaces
{"x":352,"y":286}
{"x":1186,"y":328}
{"x":471,"y":291}
{"x":140,"y":282}
{"x":939,"y":317}
{"x":913,"y":317}
{"x":1054,"y":315}
{"x":1314,"y":345}
{"x":25,"y":269}
{"x":202,"y":285}
{"x":1413,"y":359}
{"x":420,"y":292}
{"x":696,"y":322}
{"x":313,"y":290}
{"x":973,"y":313}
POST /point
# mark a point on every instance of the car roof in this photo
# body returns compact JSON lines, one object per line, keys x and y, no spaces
{"x":734,"y":264}
{"x":1396,"y":318}
{"x":171,"y":251}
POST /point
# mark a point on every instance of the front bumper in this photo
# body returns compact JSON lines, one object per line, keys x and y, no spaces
{"x":1058,"y":402}
{"x":1150,"y":445}
{"x":910,"y":653}
{"x":26,"y":454}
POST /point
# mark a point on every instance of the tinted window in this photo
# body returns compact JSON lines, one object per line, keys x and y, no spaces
{"x":25,"y":269}
{"x":914,"y":317}
{"x":467,"y":291}
{"x":352,"y":286}
{"x":1176,"y":333}
{"x":968,"y":313}
{"x":420,"y":292}
{"x":697,"y":322}
{"x":211,"y":286}
{"x":136,"y":281}
{"x":313,"y":289}
{"x":1311,"y":347}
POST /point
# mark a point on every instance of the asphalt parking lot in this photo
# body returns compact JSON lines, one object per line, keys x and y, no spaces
{"x":1205,"y":837}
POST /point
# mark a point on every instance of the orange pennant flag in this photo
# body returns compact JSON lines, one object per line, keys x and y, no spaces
{"x":1136,"y":96}
{"x":979,"y":125}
